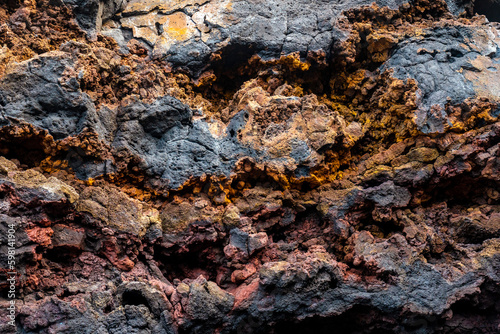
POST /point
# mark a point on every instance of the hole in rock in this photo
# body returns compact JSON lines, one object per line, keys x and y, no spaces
{"x":107,"y":309}
{"x":480,"y":310}
{"x":134,"y":297}
{"x":159,"y":28}
{"x":234,"y":66}
{"x":201,"y":259}
{"x":62,"y":255}
{"x":488,"y":8}
{"x":12,"y":4}
{"x":462,"y":190}
{"x":228,"y":71}
{"x":28,"y":150}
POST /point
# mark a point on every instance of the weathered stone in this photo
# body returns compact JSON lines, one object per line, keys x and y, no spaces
{"x":423,"y":154}
{"x":447,"y":68}
{"x":257,"y":241}
{"x":413,"y":173}
{"x":7,"y":166}
{"x":68,"y":237}
{"x":208,"y":302}
{"x":388,"y":194}
{"x":245,"y":166}
{"x":117,"y":210}
{"x":34,"y":179}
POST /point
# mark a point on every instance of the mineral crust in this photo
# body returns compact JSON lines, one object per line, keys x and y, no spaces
{"x":249,"y":166}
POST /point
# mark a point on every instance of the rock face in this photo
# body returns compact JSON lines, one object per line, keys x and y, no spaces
{"x":448,"y":70}
{"x":249,"y":166}
{"x":188,"y":32}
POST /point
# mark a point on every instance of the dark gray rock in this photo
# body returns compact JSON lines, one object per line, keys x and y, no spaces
{"x":439,"y":62}
{"x":457,"y":7}
{"x":239,"y":239}
{"x":413,"y":173}
{"x":90,"y":14}
{"x":419,"y":287}
{"x":34,"y":94}
{"x":247,"y":243}
{"x":207,"y":305}
{"x":389,"y":195}
{"x":172,"y":145}
{"x":68,"y":237}
{"x":268,"y":28}
{"x":273,"y":28}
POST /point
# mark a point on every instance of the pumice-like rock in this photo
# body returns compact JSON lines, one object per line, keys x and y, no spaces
{"x":247,"y":166}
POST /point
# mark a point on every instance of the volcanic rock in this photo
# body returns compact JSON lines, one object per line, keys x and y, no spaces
{"x":248,"y":166}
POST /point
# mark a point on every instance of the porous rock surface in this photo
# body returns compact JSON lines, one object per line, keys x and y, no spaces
{"x":250,"y":166}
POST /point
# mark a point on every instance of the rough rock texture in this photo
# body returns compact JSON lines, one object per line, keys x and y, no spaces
{"x":187,"y":32}
{"x":250,"y":166}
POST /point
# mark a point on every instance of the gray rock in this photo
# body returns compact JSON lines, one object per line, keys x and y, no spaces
{"x":439,"y":63}
{"x":207,"y":305}
{"x":269,"y":28}
{"x":239,"y":239}
{"x":34,"y":94}
{"x":389,"y":195}
{"x":247,"y":243}
{"x":458,"y":7}
{"x":90,"y":14}
{"x":173,"y":146}
{"x":413,"y":173}
{"x":68,"y":237}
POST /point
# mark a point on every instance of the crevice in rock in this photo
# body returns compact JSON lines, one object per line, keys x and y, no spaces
{"x":134,"y":297}
{"x":200,"y":259}
{"x":478,"y":311}
{"x":29,"y":148}
{"x":462,"y":191}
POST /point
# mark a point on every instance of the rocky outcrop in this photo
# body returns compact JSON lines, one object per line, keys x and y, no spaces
{"x":448,"y":71}
{"x":249,"y":166}
{"x":188,"y":32}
